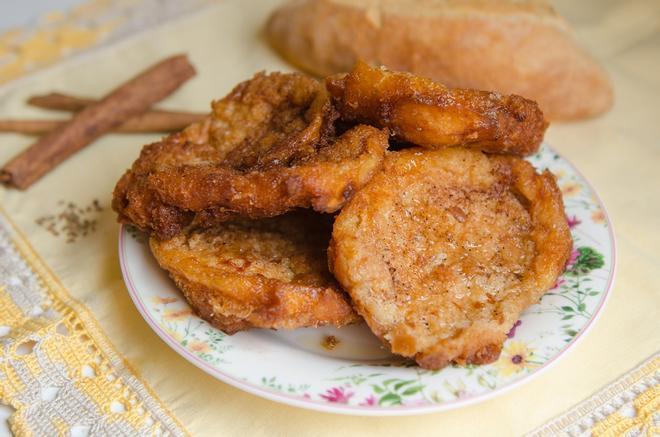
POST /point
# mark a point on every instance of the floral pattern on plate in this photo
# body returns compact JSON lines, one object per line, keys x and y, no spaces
{"x":357,"y":375}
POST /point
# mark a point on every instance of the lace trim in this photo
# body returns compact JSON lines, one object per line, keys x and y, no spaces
{"x":57,"y":369}
{"x":57,"y":35}
{"x":630,"y":406}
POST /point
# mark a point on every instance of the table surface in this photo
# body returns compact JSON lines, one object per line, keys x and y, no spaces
{"x":618,"y":153}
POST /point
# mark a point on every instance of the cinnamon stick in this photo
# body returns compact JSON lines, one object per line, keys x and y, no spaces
{"x":130,"y":99}
{"x":60,"y":101}
{"x":67,"y":102}
{"x":153,"y":120}
{"x":161,"y":121}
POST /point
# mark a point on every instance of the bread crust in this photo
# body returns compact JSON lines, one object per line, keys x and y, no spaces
{"x":443,"y":250}
{"x":522,"y":48}
{"x":269,"y":273}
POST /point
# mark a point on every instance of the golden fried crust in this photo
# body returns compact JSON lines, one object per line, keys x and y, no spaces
{"x":324,"y":181}
{"x":268,"y":147}
{"x":268,"y":273}
{"x":425,"y":113}
{"x":444,"y":249}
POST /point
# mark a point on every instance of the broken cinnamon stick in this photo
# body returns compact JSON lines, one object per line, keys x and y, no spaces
{"x":160,"y":121}
{"x":130,"y":99}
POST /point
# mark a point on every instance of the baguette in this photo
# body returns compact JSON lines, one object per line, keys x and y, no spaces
{"x":507,"y":46}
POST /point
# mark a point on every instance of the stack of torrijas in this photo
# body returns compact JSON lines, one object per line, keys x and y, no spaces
{"x":438,"y":243}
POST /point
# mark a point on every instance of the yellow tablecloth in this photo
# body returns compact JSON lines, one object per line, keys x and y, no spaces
{"x":619,"y":153}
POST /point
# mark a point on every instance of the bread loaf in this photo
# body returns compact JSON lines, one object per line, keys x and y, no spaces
{"x":509,"y":46}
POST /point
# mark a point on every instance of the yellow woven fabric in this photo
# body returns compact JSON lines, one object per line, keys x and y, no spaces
{"x":618,"y":153}
{"x":57,"y":370}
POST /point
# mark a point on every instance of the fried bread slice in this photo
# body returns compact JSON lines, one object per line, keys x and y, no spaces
{"x":428,"y":114}
{"x":267,"y":273}
{"x":268,"y":147}
{"x":444,"y":249}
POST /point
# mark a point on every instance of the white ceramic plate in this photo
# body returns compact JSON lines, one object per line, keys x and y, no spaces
{"x":358,"y":376}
